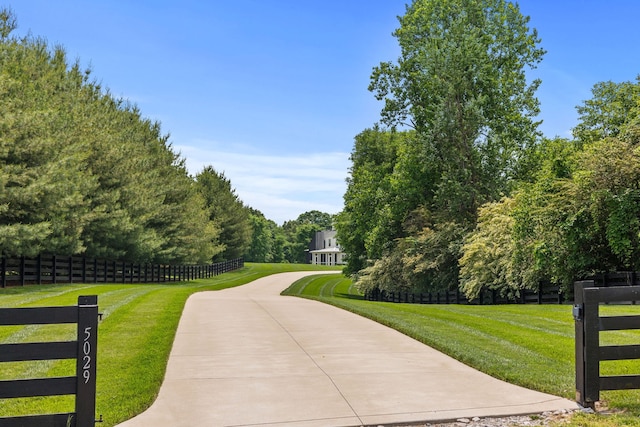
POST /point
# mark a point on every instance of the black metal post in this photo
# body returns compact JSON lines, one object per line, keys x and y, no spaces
{"x":86,"y":362}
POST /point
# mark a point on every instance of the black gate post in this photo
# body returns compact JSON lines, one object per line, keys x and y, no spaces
{"x":86,"y":362}
{"x":587,"y":331}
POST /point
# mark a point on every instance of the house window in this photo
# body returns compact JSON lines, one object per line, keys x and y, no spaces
{"x":329,"y":242}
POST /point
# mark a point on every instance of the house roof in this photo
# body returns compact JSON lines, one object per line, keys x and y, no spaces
{"x":333,"y":250}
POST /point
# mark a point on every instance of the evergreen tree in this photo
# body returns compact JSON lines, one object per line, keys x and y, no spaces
{"x":227,"y":211}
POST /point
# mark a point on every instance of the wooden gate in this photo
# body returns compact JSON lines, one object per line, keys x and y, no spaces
{"x":84,"y":350}
{"x":589,"y":352}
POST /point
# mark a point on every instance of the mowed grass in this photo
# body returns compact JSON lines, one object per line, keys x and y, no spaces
{"x":528,"y":345}
{"x":135,"y":337}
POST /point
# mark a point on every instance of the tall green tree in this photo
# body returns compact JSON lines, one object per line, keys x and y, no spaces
{"x":367,"y":224}
{"x":82,"y":172}
{"x":227,"y":211}
{"x":612,"y":109}
{"x":43,"y":185}
{"x":266,"y":239}
{"x":461,"y":84}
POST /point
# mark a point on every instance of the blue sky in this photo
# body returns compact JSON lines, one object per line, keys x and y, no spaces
{"x":272,"y":92}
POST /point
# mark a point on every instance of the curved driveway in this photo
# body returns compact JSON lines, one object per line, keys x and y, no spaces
{"x":247,"y":356}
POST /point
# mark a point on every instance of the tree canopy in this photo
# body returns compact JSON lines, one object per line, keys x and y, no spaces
{"x":461,"y":84}
{"x":82,"y":172}
{"x":460,"y":113}
{"x":471,"y":196}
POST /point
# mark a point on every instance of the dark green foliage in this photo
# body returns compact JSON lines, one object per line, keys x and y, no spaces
{"x":579,"y":217}
{"x":262,"y":238}
{"x":84,"y":173}
{"x":460,"y":85}
{"x":321,"y":219}
{"x":612,"y":109}
{"x":227,"y":211}
{"x":388,"y":176}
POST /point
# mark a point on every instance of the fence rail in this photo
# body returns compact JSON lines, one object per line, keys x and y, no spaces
{"x":84,"y":350}
{"x":69,"y":269}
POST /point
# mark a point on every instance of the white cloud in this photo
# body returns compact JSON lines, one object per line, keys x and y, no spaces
{"x":281,"y":187}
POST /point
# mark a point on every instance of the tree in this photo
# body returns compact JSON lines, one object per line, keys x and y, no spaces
{"x":612,"y":107}
{"x":43,"y":185}
{"x":460,"y":83}
{"x":82,"y":172}
{"x":487,"y":253}
{"x":321,"y":219}
{"x":366,"y":225}
{"x":576,"y":214}
{"x":265,"y":239}
{"x":227,"y":211}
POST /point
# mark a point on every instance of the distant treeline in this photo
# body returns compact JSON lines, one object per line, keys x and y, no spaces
{"x":84,"y":173}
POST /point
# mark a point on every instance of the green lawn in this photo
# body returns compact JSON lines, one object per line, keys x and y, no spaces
{"x":134,"y":338}
{"x":528,"y":345}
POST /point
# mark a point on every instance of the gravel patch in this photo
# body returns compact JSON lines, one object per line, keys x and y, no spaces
{"x":544,"y":419}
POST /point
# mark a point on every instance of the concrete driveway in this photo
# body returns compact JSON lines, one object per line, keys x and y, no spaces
{"x":247,"y":356}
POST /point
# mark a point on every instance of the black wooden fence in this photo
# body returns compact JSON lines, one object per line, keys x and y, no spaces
{"x":588,"y":325}
{"x":545,"y":294}
{"x":84,"y":350}
{"x":69,"y":269}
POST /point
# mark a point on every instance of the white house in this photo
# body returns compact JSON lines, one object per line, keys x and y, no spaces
{"x":324,"y":249}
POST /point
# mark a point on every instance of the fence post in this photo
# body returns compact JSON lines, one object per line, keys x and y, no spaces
{"x":22,"y":272}
{"x":3,"y":272}
{"x":587,"y":331}
{"x":86,"y":362}
{"x":540,"y":290}
{"x":39,"y":268}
